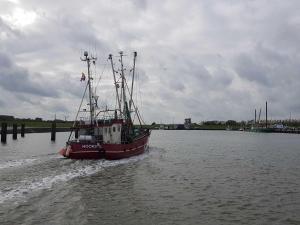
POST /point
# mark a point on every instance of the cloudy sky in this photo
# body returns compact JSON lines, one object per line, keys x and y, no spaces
{"x":204,"y":59}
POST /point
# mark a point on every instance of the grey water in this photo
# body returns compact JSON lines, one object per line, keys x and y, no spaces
{"x":185,"y":177}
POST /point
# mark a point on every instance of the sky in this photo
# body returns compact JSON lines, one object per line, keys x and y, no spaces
{"x":199,"y":59}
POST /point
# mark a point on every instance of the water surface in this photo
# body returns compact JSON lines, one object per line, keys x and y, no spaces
{"x":186,"y":177}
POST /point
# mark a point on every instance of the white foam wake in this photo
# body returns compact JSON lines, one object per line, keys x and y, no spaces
{"x":27,"y":162}
{"x":76,"y":169}
{"x":16,"y":163}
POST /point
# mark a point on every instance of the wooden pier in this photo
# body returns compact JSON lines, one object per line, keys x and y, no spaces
{"x":15,"y":130}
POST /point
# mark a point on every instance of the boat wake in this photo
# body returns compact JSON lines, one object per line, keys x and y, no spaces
{"x":16,"y":163}
{"x":71,"y":169}
{"x":26,"y":162}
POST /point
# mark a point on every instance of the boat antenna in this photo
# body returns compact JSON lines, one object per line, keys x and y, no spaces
{"x":133,"y":71}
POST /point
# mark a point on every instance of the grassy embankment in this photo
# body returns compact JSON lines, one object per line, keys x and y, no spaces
{"x":68,"y":124}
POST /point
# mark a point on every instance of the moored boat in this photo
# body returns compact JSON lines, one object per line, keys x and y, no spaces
{"x":107,"y":133}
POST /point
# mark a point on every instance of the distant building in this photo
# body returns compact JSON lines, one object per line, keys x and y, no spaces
{"x":187,"y":123}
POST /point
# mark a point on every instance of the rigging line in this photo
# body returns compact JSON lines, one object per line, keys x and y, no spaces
{"x":140,"y":96}
{"x":140,"y":93}
{"x":134,"y":118}
{"x":136,"y":109}
{"x":78,"y":111}
{"x":100,"y":75}
{"x":116,"y":101}
{"x":140,"y":117}
{"x":95,"y":75}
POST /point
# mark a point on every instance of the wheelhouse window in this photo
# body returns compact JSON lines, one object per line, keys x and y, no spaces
{"x":114,"y":129}
{"x":119,"y":128}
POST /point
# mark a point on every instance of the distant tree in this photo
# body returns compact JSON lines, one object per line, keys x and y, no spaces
{"x":153,"y":124}
{"x":214,"y":122}
{"x":231,"y":123}
{"x":6,"y":117}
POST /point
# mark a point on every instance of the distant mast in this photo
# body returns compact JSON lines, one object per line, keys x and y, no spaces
{"x":266,"y":114}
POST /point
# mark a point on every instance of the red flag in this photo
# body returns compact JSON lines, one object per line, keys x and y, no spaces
{"x":82,"y":77}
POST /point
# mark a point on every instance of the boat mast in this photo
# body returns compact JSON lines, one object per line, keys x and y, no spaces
{"x":88,"y":60}
{"x":123,"y":85}
{"x":133,"y":71}
{"x":116,"y":85}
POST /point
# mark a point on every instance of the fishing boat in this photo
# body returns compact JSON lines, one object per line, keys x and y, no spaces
{"x":108,"y":133}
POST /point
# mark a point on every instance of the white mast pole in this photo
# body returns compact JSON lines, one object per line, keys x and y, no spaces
{"x":117,"y":93}
{"x":123,"y":84}
{"x":87,"y":59}
{"x":132,"y":82}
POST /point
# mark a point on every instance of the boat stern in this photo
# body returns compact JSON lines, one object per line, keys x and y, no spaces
{"x":63,"y":152}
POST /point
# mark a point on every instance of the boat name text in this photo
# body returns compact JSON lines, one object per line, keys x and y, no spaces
{"x":91,"y":146}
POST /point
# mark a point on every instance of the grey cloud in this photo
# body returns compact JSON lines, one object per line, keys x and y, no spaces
{"x":6,"y":32}
{"x":251,"y":70}
{"x":28,"y":99}
{"x":141,"y":76}
{"x":2,"y":104}
{"x":177,"y":85}
{"x":223,"y":77}
{"x":192,"y":67}
{"x":79,"y":32}
{"x":59,"y":107}
{"x":142,"y":4}
{"x":179,"y":47}
{"x":17,"y":79}
{"x":5,"y":62}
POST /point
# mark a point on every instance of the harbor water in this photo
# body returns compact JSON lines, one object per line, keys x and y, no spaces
{"x":185,"y":177}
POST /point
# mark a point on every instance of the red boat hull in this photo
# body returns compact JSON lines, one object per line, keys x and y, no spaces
{"x":106,"y":151}
{"x":120,"y":151}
